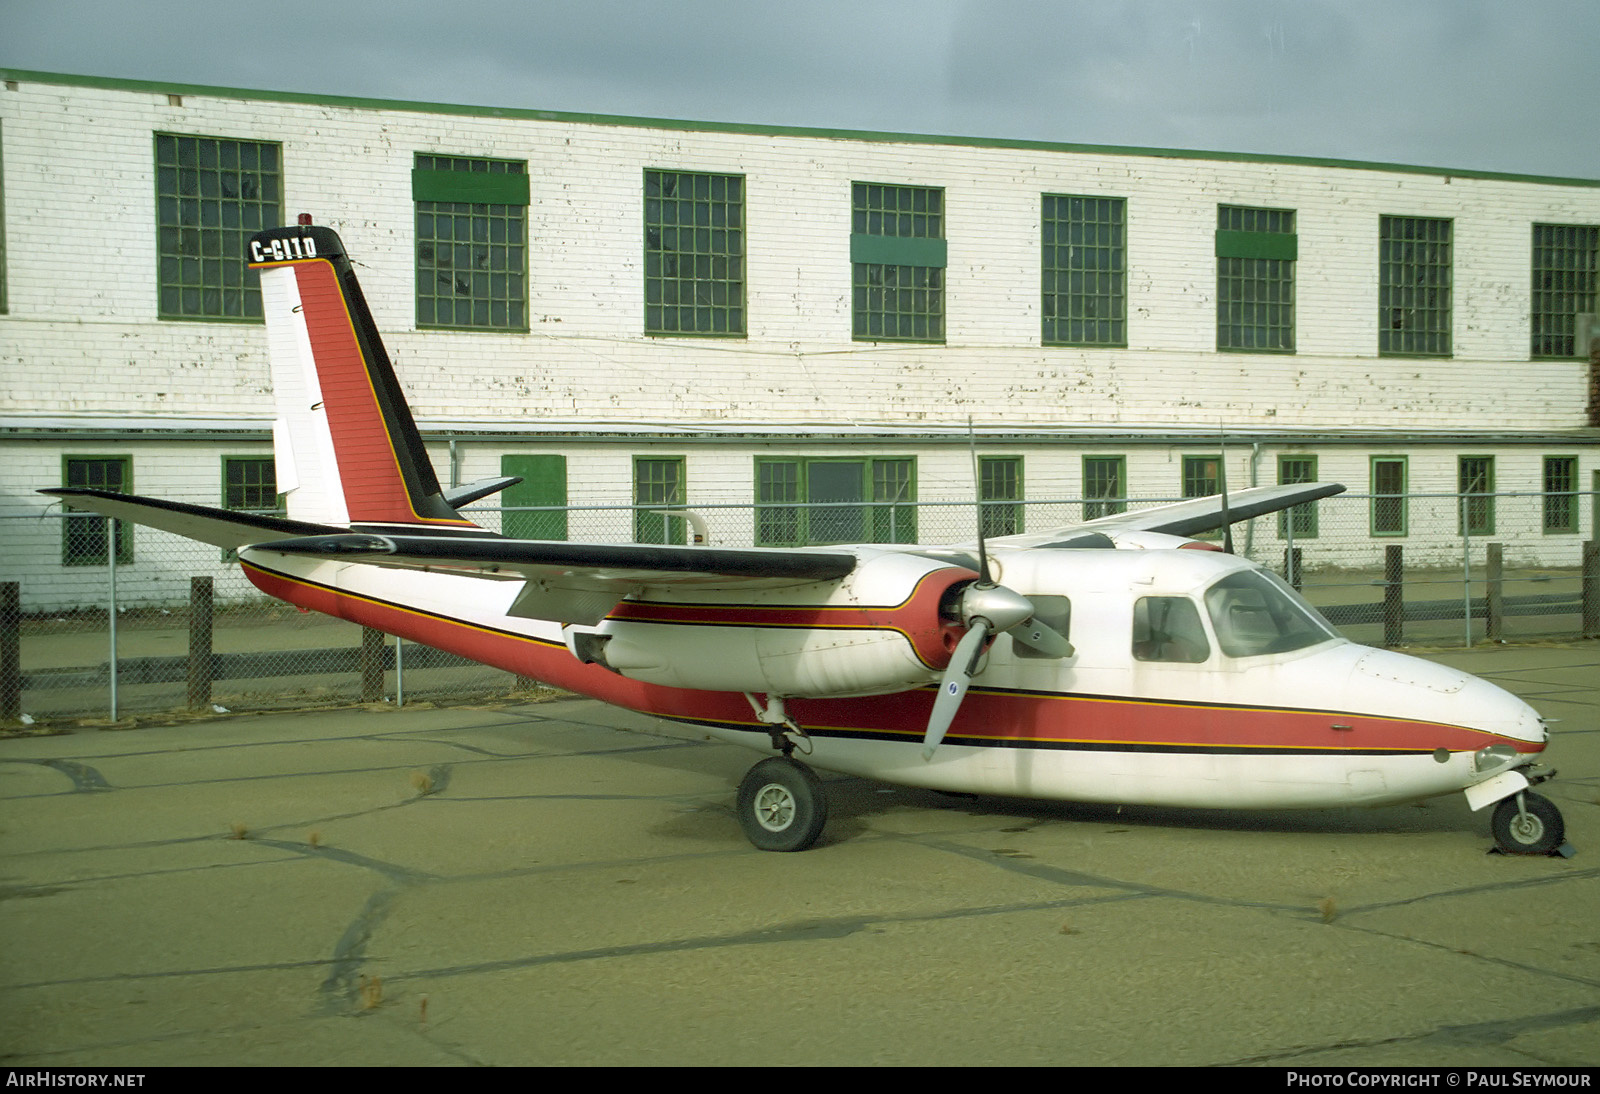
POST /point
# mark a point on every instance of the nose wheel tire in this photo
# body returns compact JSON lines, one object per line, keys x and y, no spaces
{"x":781,"y":805}
{"x":1534,"y":829}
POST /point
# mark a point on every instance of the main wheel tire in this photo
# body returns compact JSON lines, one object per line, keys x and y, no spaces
{"x":781,"y":805}
{"x":1535,"y":830}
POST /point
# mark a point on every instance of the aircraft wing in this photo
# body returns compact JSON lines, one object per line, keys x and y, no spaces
{"x":219,"y":527}
{"x":1185,"y":518}
{"x":576,"y":582}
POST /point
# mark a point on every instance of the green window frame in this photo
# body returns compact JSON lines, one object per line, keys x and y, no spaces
{"x":212,"y":195}
{"x":694,"y":254}
{"x":1566,"y":273}
{"x":83,"y":535}
{"x":1084,"y":266}
{"x":844,"y":499}
{"x":658,"y":483}
{"x":1415,"y":286}
{"x":1105,"y":486}
{"x":536,"y":507}
{"x":1000,"y":494}
{"x":1256,"y":251}
{"x":898,"y":257}
{"x":1299,"y":521}
{"x":1475,"y":484}
{"x":1560,"y":495}
{"x":1202,"y":476}
{"x":250,"y":483}
{"x":471,"y":242}
{"x":1390,"y":506}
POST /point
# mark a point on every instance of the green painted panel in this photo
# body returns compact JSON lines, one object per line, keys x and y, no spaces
{"x":470,"y":187}
{"x":898,"y":251}
{"x":1278,"y":245}
{"x":544,"y":482}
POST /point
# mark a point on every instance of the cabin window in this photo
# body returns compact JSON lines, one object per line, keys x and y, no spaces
{"x":1167,"y":628}
{"x":1085,"y":267}
{"x":694,"y":252}
{"x":472,"y":242}
{"x":1566,"y":275}
{"x":212,"y":195}
{"x":1252,"y":613}
{"x":897,"y":263}
{"x":1414,"y":287}
{"x":1256,"y":252}
{"x":1054,"y":612}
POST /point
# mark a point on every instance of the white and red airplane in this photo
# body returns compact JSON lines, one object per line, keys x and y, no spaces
{"x":1106,"y":662}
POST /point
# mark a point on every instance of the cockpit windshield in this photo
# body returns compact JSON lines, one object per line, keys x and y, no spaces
{"x":1253,"y":612}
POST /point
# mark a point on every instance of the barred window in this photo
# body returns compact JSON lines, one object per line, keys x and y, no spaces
{"x":472,"y":242}
{"x":1476,"y":485}
{"x":1105,"y":481}
{"x":212,"y":195}
{"x":1000,"y":489}
{"x":1256,"y":254}
{"x":85,"y":536}
{"x":658,"y":485}
{"x":1414,"y":287}
{"x":1085,"y":270}
{"x":825,"y":500}
{"x":1389,"y":512}
{"x":694,"y":248}
{"x":1564,"y":283}
{"x":1299,"y":521}
{"x":898,"y":259}
{"x":1561,"y":494}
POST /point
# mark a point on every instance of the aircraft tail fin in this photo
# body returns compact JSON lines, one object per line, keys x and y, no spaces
{"x":348,"y":451}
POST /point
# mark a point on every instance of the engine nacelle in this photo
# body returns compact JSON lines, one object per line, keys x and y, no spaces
{"x":876,"y":631}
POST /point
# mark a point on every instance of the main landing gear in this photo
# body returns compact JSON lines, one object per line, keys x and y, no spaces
{"x":1528,"y":824}
{"x":781,"y":803}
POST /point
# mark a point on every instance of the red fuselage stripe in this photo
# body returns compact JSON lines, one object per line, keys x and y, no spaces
{"x":988,"y":717}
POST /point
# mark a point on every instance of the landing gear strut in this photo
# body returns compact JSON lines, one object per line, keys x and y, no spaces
{"x":781,"y":805}
{"x":1527,"y":824}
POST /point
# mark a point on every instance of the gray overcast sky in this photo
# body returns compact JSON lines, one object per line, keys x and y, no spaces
{"x":1500,"y":85}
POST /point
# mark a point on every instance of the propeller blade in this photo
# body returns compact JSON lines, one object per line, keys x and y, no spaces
{"x":953,"y":687}
{"x":1045,"y":639}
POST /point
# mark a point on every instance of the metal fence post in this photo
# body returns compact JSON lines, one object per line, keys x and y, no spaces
{"x":1493,"y":598}
{"x":1394,"y":608}
{"x":200,"y":607}
{"x":1591,"y":588}
{"x":371,"y":665}
{"x":10,"y":651}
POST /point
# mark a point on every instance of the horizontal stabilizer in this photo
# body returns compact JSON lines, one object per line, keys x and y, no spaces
{"x":457,"y":496}
{"x":220,"y":527}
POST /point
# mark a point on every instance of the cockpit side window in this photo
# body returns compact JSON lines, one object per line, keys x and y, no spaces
{"x":1253,"y":614}
{"x":1054,"y":612}
{"x":1167,"y":628}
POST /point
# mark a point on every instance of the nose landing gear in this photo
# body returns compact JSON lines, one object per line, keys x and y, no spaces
{"x":1528,"y":824}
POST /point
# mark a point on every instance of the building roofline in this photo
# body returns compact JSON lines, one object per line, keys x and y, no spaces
{"x":167,"y":87}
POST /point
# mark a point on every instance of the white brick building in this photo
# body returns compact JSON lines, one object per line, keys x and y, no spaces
{"x":851,"y":299}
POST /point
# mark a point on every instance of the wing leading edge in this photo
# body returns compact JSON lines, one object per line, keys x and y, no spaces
{"x":1185,"y":518}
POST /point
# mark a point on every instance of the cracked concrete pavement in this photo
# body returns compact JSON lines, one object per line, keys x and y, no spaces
{"x":562,"y":883}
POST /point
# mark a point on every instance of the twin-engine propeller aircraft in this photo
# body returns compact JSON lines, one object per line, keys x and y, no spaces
{"x":1108,"y":662}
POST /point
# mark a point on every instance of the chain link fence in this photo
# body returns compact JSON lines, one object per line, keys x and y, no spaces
{"x":162,"y":623}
